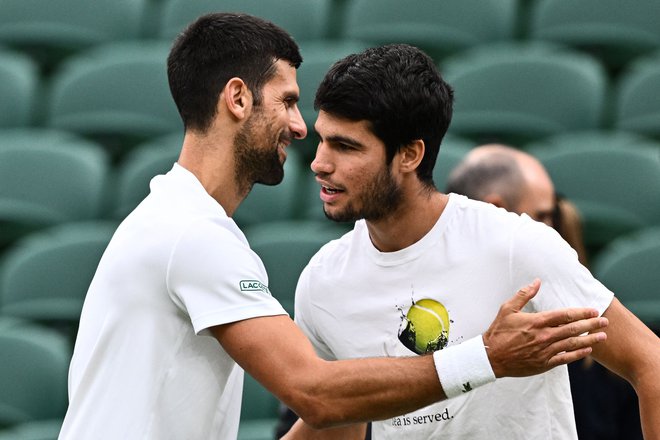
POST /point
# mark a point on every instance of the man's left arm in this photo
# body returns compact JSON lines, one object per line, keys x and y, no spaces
{"x":632,"y":351}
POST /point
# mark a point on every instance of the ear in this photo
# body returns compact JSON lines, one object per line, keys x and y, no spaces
{"x":409,"y":156}
{"x":496,"y":200}
{"x":237,"y":98}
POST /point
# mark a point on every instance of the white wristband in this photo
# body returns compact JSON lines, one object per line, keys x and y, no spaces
{"x":463,"y":367}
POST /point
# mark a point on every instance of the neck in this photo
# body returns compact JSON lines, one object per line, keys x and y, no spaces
{"x":212,"y":162}
{"x":411,"y":221}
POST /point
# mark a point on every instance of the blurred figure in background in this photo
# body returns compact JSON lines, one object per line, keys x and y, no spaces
{"x":605,"y":405}
{"x":507,"y":178}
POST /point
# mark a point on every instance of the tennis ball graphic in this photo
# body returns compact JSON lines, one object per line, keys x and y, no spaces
{"x":425,"y":328}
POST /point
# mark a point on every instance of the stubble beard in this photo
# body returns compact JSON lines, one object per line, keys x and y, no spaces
{"x":380,"y":197}
{"x":254,"y":162}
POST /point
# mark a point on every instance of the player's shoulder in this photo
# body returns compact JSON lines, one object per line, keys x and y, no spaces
{"x":468,"y":211}
{"x":336,"y":252}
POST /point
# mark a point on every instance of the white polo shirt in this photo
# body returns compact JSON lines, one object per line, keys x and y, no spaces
{"x":145,"y":365}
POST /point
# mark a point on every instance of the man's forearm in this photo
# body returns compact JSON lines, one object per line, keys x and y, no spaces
{"x":351,"y":391}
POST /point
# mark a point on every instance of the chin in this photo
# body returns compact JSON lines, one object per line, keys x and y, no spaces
{"x":273,"y":178}
{"x":341,"y":217}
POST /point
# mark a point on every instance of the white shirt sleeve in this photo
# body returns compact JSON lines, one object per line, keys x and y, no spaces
{"x":538,"y":251}
{"x":216,"y":278}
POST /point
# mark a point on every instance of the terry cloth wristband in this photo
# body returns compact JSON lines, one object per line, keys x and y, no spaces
{"x":463,"y":367}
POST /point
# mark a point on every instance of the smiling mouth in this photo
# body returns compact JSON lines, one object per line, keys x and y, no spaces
{"x":329,"y":190}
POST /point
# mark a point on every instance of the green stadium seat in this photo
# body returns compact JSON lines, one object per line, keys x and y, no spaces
{"x":285,"y":248}
{"x":438,"y":27}
{"x":272,"y":203}
{"x":35,"y":430}
{"x":33,"y":374}
{"x":117,"y":94}
{"x":615,"y":189}
{"x":637,"y":106}
{"x":576,"y":140}
{"x":515,"y":93}
{"x":303,"y":19}
{"x":45,"y":276}
{"x":51,"y":30}
{"x":19,"y":83}
{"x":629,"y":267}
{"x":452,"y":151}
{"x":48,"y":177}
{"x":614,"y":31}
{"x":156,"y":156}
{"x":310,"y":207}
{"x":259,"y":411}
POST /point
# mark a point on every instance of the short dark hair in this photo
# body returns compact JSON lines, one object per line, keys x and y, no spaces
{"x":399,"y":91}
{"x":217,"y":47}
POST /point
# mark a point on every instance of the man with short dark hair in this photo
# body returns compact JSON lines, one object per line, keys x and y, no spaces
{"x":424,"y":272}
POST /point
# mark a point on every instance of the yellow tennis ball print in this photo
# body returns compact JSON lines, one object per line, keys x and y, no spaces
{"x":425,"y":328}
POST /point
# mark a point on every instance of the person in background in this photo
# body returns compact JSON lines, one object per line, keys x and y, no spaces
{"x":179,"y":306}
{"x":507,"y":178}
{"x":516,"y":181}
{"x":605,"y":405}
{"x":423,"y":271}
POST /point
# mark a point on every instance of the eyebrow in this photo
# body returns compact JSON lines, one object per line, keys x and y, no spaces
{"x":340,"y":139}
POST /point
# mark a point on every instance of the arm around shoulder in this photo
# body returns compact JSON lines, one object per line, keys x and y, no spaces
{"x":332,"y":393}
{"x":327,"y":393}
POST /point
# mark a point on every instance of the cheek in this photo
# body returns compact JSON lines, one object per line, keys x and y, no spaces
{"x":361,"y":175}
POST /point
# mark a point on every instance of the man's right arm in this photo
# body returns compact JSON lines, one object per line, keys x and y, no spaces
{"x":333,"y":393}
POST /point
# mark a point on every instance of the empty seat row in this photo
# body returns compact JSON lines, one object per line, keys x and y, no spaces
{"x":118,"y":93}
{"x":615,"y":189}
{"x":629,"y":267}
{"x":48,"y":177}
{"x":33,"y":376}
{"x":614,"y":31}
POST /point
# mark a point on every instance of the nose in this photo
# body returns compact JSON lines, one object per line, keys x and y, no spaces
{"x":321,"y":163}
{"x":297,"y":124}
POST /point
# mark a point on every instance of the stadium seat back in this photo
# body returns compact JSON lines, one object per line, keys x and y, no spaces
{"x":33,"y":374}
{"x":115,"y":93}
{"x":48,"y":429}
{"x":615,"y":189}
{"x":285,"y":248}
{"x":438,"y":27}
{"x":303,"y":19}
{"x":615,"y":32}
{"x":143,"y":163}
{"x":52,"y":30}
{"x":629,"y":267}
{"x":19,"y":83}
{"x":518,"y":92}
{"x":45,"y":276}
{"x":267,"y":203}
{"x":259,"y":411}
{"x":637,"y":106}
{"x":452,"y":151}
{"x":593,"y":139}
{"x":49,"y":177}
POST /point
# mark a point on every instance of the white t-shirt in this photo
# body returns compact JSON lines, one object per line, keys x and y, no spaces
{"x":145,"y":365}
{"x":353,"y":301}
